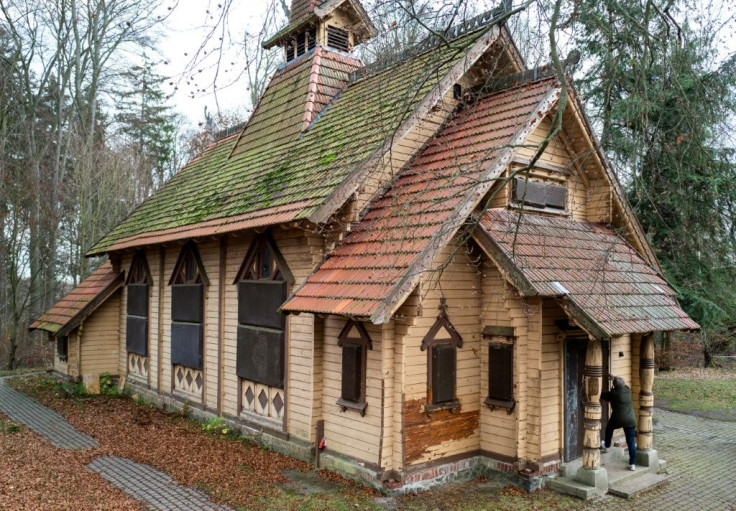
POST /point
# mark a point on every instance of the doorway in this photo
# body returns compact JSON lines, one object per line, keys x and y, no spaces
{"x":575,"y":349}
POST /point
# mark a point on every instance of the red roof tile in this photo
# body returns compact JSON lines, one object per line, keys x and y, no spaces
{"x":71,"y":310}
{"x":607,"y":282}
{"x":396,"y":239}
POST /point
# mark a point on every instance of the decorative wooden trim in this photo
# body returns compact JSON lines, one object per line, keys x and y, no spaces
{"x":498,"y":331}
{"x":540,"y":165}
{"x":364,"y":337}
{"x":139,"y":258}
{"x":365,"y":342}
{"x":509,"y":405}
{"x":189,"y":246}
{"x":442,"y":322}
{"x":253,"y":251}
{"x":453,"y":406}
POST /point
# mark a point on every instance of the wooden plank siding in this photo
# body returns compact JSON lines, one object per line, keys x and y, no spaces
{"x":347,"y":431}
{"x":99,"y":347}
{"x":440,"y":434}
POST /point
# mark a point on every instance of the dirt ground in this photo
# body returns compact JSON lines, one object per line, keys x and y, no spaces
{"x":35,"y":475}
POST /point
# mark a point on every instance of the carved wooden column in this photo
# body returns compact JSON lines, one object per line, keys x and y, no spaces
{"x":646,"y":398}
{"x":592,"y":416}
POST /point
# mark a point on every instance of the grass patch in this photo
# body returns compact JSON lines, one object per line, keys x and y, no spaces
{"x":688,"y":395}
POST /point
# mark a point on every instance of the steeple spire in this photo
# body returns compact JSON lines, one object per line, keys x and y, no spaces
{"x":338,"y":24}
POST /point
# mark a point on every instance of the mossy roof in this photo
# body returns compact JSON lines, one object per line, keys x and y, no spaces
{"x":276,"y":171}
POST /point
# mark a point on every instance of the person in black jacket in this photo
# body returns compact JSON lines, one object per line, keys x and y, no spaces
{"x":622,"y":416}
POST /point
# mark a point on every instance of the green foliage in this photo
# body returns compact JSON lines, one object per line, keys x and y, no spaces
{"x":12,"y":428}
{"x":73,"y":390}
{"x":107,"y":385}
{"x":664,"y":108}
{"x":216,"y":426}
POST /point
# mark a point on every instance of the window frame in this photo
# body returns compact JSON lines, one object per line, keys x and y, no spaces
{"x":428,"y":344}
{"x":518,"y":197}
{"x":62,"y":342}
{"x":139,"y":274}
{"x":188,"y":272}
{"x":251,"y":271}
{"x":365,"y":343}
{"x":498,"y":399}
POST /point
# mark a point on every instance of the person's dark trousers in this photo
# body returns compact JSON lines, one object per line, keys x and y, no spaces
{"x":630,"y":440}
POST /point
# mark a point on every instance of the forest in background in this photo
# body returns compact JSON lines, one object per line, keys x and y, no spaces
{"x":87,"y":133}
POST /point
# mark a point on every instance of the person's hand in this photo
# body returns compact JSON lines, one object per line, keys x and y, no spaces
{"x":610,"y":378}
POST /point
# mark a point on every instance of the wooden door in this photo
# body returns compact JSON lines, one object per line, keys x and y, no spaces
{"x":575,"y":349}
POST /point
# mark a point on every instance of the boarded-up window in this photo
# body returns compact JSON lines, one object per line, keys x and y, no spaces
{"x":338,"y":38}
{"x":540,"y":195}
{"x":355,"y":343}
{"x":62,"y":348}
{"x":187,"y":309}
{"x":441,"y":343}
{"x":262,"y":288}
{"x":500,"y":374}
{"x":137,"y":284}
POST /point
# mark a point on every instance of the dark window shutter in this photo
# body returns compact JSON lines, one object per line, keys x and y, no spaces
{"x":311,"y":38}
{"x":259,"y":301}
{"x":138,"y":299}
{"x":500,"y":371}
{"x":260,"y":355}
{"x":289,"y":51}
{"x":443,"y":373}
{"x":186,"y":345}
{"x":352,"y":369}
{"x":556,"y":196}
{"x":136,"y":335}
{"x":187,"y":302}
{"x":529,"y":192}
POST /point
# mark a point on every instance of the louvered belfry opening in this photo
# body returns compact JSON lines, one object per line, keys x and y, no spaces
{"x":187,"y":309}
{"x":262,"y":289}
{"x":338,"y":38}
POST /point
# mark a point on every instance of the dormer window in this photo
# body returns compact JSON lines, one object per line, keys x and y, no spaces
{"x":304,"y":42}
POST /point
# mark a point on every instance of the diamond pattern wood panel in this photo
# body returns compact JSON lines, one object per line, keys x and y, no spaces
{"x":262,"y":400}
{"x":189,"y":381}
{"x":138,"y":367}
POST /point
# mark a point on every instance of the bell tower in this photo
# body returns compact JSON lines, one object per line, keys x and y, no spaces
{"x":334,"y":24}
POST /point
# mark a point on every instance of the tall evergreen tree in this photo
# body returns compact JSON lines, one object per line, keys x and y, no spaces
{"x":664,"y":110}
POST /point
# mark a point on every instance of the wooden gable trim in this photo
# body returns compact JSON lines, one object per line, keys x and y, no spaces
{"x":442,"y":322}
{"x":504,"y":263}
{"x":486,"y":180}
{"x":328,"y":7}
{"x":364,"y":337}
{"x":632,"y":222}
{"x":190,"y":245}
{"x":253,"y":252}
{"x":574,"y":311}
{"x":140,"y":257}
{"x":374,"y":163}
{"x":92,"y":306}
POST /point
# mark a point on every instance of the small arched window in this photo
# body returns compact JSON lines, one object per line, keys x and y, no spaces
{"x":262,"y":287}
{"x":137,"y":284}
{"x":187,"y":308}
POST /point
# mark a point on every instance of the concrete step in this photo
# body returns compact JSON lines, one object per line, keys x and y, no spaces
{"x":570,"y":486}
{"x":628,"y":487}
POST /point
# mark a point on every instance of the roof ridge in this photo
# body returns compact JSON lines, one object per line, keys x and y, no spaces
{"x":433,"y":41}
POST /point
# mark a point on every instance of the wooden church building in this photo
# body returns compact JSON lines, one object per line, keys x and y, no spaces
{"x":424,"y":266}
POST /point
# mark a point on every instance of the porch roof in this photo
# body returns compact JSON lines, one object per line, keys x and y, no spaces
{"x":80,"y":302}
{"x":600,"y":281}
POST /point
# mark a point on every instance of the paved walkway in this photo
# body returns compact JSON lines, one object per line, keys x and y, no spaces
{"x":152,"y":486}
{"x":42,"y":420}
{"x":142,"y":482}
{"x":701,"y":457}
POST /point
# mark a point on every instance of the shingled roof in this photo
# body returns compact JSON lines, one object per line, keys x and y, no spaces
{"x":70,"y":311}
{"x":278,"y":172}
{"x":379,"y":263}
{"x":601,"y":281}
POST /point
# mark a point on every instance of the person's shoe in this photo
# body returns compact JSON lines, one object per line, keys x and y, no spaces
{"x":604,"y":449}
{"x":632,"y":467}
